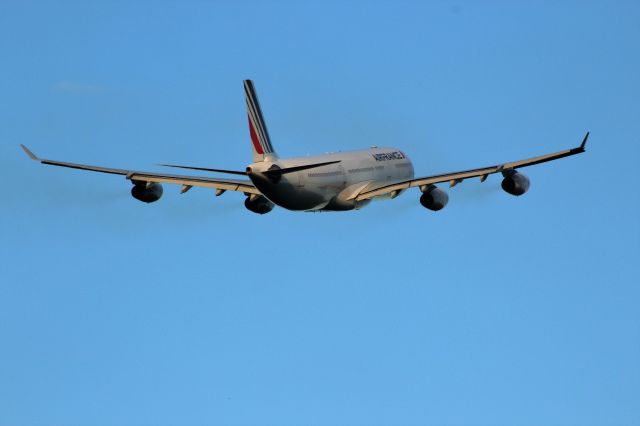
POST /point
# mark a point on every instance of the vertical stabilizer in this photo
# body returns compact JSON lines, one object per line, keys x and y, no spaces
{"x":261,"y":144}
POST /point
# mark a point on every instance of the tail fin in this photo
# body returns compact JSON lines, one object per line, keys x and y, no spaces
{"x":262,"y":147}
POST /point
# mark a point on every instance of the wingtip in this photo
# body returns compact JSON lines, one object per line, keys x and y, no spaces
{"x":29,"y":153}
{"x":584,"y":141}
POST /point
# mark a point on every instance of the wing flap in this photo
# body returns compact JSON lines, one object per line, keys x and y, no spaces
{"x":226,"y":184}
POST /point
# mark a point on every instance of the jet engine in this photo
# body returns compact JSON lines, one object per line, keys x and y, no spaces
{"x":258,"y":204}
{"x":515,"y":183}
{"x":147,"y":192}
{"x":433,"y":198}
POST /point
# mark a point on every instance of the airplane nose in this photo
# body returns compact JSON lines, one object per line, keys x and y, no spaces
{"x":249,"y":170}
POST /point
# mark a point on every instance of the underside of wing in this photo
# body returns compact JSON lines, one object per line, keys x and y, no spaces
{"x":140,"y":178}
{"x":507,"y":169}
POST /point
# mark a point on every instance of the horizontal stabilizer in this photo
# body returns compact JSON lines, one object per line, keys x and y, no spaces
{"x":205,"y":169}
{"x":279,"y":172}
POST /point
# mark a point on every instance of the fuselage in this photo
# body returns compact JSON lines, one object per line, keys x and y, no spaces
{"x":332,"y":186}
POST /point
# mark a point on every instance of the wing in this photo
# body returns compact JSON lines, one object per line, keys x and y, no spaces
{"x":457,"y":177}
{"x":136,"y":176}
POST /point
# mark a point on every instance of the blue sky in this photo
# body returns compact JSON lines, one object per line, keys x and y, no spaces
{"x":495,"y":311}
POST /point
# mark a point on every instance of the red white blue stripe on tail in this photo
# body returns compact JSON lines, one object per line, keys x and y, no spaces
{"x":257,"y":127}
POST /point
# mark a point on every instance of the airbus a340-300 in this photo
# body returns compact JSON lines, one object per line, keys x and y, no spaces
{"x":330,"y":182}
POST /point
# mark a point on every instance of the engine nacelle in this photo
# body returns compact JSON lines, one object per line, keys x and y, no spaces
{"x":515,"y":183}
{"x":433,"y":198}
{"x":258,"y":204}
{"x":146,"y":192}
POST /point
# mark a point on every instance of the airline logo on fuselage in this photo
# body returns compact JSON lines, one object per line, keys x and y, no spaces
{"x":386,"y":156}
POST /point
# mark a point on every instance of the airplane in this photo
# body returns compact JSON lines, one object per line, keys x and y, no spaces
{"x":338,"y":181}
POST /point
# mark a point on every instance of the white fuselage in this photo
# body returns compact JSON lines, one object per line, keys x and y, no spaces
{"x":332,"y":186}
